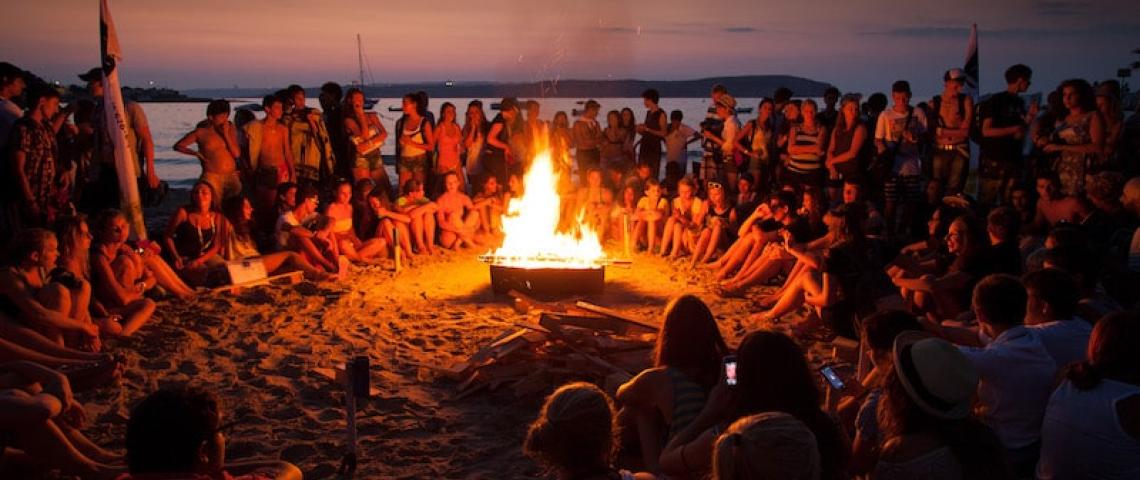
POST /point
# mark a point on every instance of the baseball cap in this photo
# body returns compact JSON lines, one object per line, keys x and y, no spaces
{"x":954,"y":74}
{"x":91,"y":75}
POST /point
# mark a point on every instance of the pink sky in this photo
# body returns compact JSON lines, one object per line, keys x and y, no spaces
{"x":856,"y":45}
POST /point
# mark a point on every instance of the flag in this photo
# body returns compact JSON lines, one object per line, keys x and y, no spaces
{"x":126,"y":165}
{"x":971,"y":67}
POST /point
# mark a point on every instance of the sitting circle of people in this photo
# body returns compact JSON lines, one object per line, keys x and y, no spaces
{"x":991,"y":305}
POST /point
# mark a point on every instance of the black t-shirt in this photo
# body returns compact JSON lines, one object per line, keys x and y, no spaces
{"x":1004,"y":110}
{"x":504,"y":136}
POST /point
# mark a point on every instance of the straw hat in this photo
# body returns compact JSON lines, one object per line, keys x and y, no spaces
{"x":727,"y":101}
{"x":936,"y":375}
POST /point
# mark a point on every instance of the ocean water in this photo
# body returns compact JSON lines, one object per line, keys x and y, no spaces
{"x":170,"y":121}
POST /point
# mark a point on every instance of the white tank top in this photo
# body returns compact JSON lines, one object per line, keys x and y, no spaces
{"x":1082,"y":436}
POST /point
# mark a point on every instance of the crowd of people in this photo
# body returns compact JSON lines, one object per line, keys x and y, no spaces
{"x":996,"y":307}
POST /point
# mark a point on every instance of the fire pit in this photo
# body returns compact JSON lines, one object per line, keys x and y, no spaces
{"x":538,"y":257}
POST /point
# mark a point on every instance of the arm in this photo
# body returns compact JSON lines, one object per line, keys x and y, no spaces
{"x":856,"y":146}
{"x":168,"y":238}
{"x":1095,"y":147}
{"x":287,"y":154}
{"x":493,"y":138}
{"x":183,"y":144}
{"x":104,"y":276}
{"x":638,"y":392}
{"x":990,"y":131}
{"x":16,"y":291}
{"x":229,"y":134}
{"x":19,"y":160}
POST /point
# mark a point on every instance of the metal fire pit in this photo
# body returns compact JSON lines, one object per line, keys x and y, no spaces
{"x":548,"y":281}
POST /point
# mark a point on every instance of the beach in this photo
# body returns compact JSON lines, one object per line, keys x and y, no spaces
{"x":261,"y":351}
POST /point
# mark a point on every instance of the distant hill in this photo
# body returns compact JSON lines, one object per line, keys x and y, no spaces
{"x":742,"y":86}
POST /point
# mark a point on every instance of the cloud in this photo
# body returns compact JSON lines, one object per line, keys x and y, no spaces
{"x":919,"y":32}
{"x":962,"y":32}
{"x":741,"y":30}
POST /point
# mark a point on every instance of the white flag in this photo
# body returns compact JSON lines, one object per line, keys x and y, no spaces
{"x":126,"y":166}
{"x":971,"y":67}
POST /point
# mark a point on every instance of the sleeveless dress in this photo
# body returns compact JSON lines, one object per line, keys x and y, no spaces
{"x":1072,"y":167}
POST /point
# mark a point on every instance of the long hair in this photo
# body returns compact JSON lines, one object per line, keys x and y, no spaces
{"x":1112,"y":352}
{"x":192,"y":206}
{"x":973,"y":244}
{"x":349,"y":112}
{"x":975,"y":445}
{"x":69,"y":230}
{"x":690,"y":339}
{"x":232,"y":209}
{"x":467,"y":125}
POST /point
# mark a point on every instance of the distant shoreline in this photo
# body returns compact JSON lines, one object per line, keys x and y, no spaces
{"x":741,"y":86}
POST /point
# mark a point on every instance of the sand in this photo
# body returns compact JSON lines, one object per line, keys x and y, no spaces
{"x":258,"y":350}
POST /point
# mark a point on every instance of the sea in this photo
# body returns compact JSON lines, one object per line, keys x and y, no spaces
{"x":170,"y":121}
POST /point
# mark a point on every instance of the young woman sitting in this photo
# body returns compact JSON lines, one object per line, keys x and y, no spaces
{"x":340,"y":211}
{"x":663,"y":400}
{"x":73,"y":270}
{"x":946,"y":292}
{"x":457,"y":217}
{"x":238,"y":244}
{"x":122,"y":274}
{"x":491,"y":203}
{"x":29,"y":298}
{"x":391,"y":225}
{"x":575,"y":435}
{"x":652,"y":210}
{"x":415,"y":204}
{"x":623,"y":214}
{"x":720,"y":218}
{"x":685,"y":222}
{"x":193,"y":237}
{"x":594,"y":203}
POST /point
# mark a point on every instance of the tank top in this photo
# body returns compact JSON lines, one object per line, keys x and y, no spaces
{"x":806,"y":163}
{"x":240,"y":248}
{"x":1081,"y":436}
{"x":843,"y":139}
{"x":416,"y":135}
{"x":651,"y":143}
{"x":191,"y":240}
{"x":448,"y":149}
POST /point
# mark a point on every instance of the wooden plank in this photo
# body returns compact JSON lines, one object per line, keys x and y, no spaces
{"x":336,"y":375}
{"x":617,"y":315}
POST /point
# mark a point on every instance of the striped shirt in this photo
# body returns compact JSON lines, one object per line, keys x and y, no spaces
{"x":688,"y":401}
{"x":806,"y":162}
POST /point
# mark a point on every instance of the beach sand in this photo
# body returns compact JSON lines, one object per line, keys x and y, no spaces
{"x":258,"y":351}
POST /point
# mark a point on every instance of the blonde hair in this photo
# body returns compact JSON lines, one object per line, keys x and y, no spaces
{"x":575,"y":431}
{"x":766,"y":446}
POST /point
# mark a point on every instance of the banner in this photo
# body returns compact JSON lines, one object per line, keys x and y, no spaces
{"x":971,"y":67}
{"x":126,"y":165}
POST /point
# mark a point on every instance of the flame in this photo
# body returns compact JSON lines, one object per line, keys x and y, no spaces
{"x":530,"y":226}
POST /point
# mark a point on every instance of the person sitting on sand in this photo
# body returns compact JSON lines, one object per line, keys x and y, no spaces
{"x":193,"y":236}
{"x":718,"y":230}
{"x":757,"y":232}
{"x":30,"y":298}
{"x":652,"y":210}
{"x":623,"y":213}
{"x":391,"y":225}
{"x":415,"y":204}
{"x":292,"y":234}
{"x":575,"y":435}
{"x":594,"y":202}
{"x":457,"y":217}
{"x":351,"y":246}
{"x":238,"y":244}
{"x":760,"y":387}
{"x":178,"y":433}
{"x":73,"y":270}
{"x":121,"y":274}
{"x":766,"y":445}
{"x":364,"y":220}
{"x":1053,"y":206}
{"x":768,"y":257}
{"x":661,"y":401}
{"x":40,"y":419}
{"x":326,"y":243}
{"x":491,"y":203}
{"x":218,"y":150}
{"x":946,"y":292}
{"x":685,"y":222}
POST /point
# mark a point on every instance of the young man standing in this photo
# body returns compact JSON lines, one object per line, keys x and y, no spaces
{"x":270,"y":158}
{"x":587,"y":139}
{"x":1005,"y":122}
{"x":139,"y":140}
{"x":11,"y":86}
{"x":652,"y":133}
{"x":34,"y":154}
{"x":898,"y":134}
{"x":313,"y":158}
{"x":217,"y":150}
{"x":953,"y":114}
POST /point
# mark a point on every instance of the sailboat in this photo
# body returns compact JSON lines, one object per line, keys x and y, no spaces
{"x":368,"y":102}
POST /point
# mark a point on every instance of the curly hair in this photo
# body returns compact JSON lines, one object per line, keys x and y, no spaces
{"x":576,"y":432}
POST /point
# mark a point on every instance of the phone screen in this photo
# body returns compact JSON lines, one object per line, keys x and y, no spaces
{"x":831,"y":377}
{"x":730,"y":370}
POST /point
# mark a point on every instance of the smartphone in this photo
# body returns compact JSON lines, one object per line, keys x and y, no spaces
{"x":730,"y":370}
{"x":831,"y":377}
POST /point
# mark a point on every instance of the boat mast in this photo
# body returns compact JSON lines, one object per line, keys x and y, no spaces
{"x":360,"y":61}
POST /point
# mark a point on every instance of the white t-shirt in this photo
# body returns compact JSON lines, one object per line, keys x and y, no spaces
{"x":1066,"y":340}
{"x":889,"y":128}
{"x":290,"y":219}
{"x":9,"y":113}
{"x":675,"y":144}
{"x":731,"y":128}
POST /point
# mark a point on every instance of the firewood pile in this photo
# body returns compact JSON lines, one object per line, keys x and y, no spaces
{"x":557,"y":343}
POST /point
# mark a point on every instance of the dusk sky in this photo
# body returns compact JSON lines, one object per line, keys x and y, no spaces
{"x":860,"y":46}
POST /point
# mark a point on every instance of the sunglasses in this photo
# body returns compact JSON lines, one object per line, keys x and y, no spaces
{"x":714,"y":186}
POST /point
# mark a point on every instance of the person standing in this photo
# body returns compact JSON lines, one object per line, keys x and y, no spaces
{"x":653,"y":132}
{"x":953,"y":113}
{"x":416,"y":140}
{"x":11,"y":86}
{"x":897,"y":139}
{"x":34,"y":153}
{"x":106,"y":193}
{"x":269,"y":157}
{"x":333,"y":115}
{"x":365,"y":135}
{"x":588,"y":139}
{"x":217,"y":150}
{"x":1079,"y":139}
{"x":1005,"y":122}
{"x":308,"y":139}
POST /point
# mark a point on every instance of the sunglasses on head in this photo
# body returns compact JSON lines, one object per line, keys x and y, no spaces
{"x":714,"y":186}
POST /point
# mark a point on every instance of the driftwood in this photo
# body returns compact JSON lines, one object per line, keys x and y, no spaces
{"x":618,"y":316}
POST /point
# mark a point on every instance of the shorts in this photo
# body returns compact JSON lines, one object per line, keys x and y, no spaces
{"x":266,"y":177}
{"x":369,"y":162}
{"x":225,"y":185}
{"x":416,"y":164}
{"x":905,"y":188}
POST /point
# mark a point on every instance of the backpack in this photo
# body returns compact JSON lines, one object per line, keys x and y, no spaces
{"x":975,"y":133}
